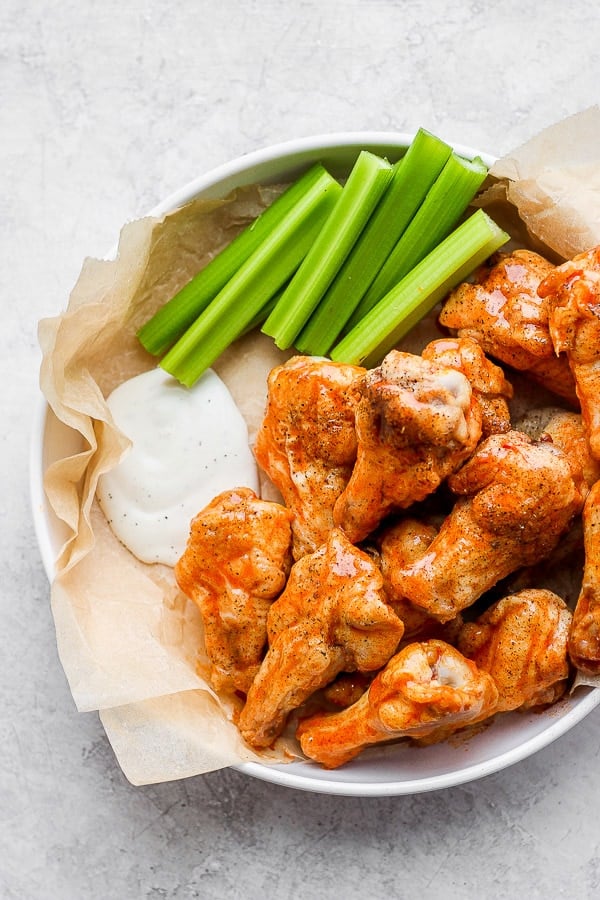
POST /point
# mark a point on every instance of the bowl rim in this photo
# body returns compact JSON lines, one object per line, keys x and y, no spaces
{"x":277,"y":774}
{"x":289,"y":153}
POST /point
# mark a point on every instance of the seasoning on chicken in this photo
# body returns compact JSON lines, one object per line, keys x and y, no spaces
{"x":502,"y":311}
{"x":332,"y":617}
{"x":572,"y":292}
{"x":584,"y":639}
{"x":567,"y":431}
{"x":425,"y":687}
{"x":521,"y":641}
{"x":519,"y":498}
{"x":416,"y":422}
{"x":487,"y":380}
{"x":235,"y":564}
{"x":401,"y":544}
{"x":307,"y":442}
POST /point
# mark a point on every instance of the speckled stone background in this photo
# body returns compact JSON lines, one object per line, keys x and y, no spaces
{"x":106,"y":107}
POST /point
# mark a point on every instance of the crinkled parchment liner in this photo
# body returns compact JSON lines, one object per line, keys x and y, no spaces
{"x":130,"y":642}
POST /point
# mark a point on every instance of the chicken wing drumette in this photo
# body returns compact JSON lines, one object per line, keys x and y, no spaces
{"x":425,"y":687}
{"x":416,"y":422}
{"x":518,"y":497}
{"x":307,"y":442}
{"x":332,"y":617}
{"x":490,"y":387}
{"x":567,"y":431}
{"x":400,"y":545}
{"x":572,"y":292}
{"x":503,"y":312}
{"x":236,"y":562}
{"x":584,"y":639}
{"x":521,"y":641}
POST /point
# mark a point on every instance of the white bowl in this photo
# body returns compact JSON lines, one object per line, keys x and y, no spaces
{"x":392,"y":769}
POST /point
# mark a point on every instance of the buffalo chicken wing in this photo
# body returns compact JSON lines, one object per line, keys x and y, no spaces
{"x":332,"y":617}
{"x":425,"y":687}
{"x":521,"y":641}
{"x":518,"y":498}
{"x":400,"y":545}
{"x":307,"y":442}
{"x":487,"y":380}
{"x":567,"y":431}
{"x":503,"y":312}
{"x":584,"y":639}
{"x":572,"y":292}
{"x":416,"y":422}
{"x":235,"y":564}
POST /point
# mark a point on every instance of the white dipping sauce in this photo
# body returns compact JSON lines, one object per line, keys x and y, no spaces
{"x":188,"y":445}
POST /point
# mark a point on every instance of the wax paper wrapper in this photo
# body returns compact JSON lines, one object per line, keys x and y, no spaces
{"x":130,"y":643}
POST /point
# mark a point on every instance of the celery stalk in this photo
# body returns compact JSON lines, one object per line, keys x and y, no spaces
{"x":263,"y":314}
{"x":413,"y":176}
{"x":441,"y":210}
{"x":419,"y":291}
{"x":170,"y":322}
{"x":369,"y":178}
{"x":257,"y":280}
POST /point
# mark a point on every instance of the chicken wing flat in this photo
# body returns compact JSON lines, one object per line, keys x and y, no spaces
{"x":416,"y":422}
{"x":521,"y":641}
{"x":425,"y":687}
{"x":487,"y":380}
{"x":332,"y":617}
{"x":503,"y":312}
{"x":307,"y":442}
{"x":584,"y":639}
{"x":572,"y":292}
{"x":518,"y":498}
{"x":236,"y":562}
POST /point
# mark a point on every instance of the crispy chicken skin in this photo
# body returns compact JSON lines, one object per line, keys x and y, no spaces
{"x":516,"y":499}
{"x":400,"y":545}
{"x":235,"y":564}
{"x":572,"y":292}
{"x":424,"y":687}
{"x":584,"y":639}
{"x":503,"y":312}
{"x":332,"y":617}
{"x":307,"y":442}
{"x":416,"y":422}
{"x":521,"y":641}
{"x":567,"y":431}
{"x":487,"y":380}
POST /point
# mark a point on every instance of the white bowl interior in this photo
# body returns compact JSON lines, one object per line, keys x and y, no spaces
{"x":388,"y":770}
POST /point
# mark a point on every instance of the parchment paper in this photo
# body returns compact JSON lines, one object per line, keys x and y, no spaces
{"x":130,"y":643}
{"x":553,"y":184}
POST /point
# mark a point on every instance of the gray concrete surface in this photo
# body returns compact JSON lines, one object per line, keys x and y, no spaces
{"x":105,"y":109}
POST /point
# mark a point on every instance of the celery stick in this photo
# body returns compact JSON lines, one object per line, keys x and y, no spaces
{"x":365,"y":185}
{"x":260,"y":277}
{"x":419,"y":291}
{"x":170,"y":322}
{"x":263,"y":314}
{"x":413,"y":176}
{"x":442,"y":208}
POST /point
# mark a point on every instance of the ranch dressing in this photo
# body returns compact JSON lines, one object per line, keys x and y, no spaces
{"x":187,"y":445}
